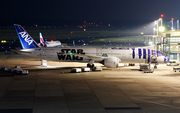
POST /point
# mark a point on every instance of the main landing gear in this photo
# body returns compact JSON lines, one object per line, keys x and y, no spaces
{"x":155,"y":66}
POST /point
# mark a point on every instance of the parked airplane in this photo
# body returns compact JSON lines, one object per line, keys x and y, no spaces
{"x":48,"y":43}
{"x":108,"y":56}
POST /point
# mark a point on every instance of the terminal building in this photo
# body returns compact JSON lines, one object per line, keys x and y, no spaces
{"x":168,"y":43}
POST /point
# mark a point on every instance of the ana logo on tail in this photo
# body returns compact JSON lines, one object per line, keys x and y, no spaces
{"x":26,"y":37}
{"x":26,"y":40}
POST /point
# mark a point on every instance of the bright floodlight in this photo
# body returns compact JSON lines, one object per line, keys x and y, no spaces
{"x":161,"y":28}
{"x":150,"y":43}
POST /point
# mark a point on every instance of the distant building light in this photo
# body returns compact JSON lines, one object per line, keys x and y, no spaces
{"x":3,"y":41}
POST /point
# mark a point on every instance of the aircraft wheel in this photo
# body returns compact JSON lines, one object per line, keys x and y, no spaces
{"x":89,"y":65}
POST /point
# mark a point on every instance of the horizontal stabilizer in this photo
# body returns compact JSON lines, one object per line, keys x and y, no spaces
{"x":19,"y":52}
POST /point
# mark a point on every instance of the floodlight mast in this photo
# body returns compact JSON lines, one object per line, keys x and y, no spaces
{"x":156,"y":22}
{"x":161,"y":19}
{"x":172,"y":23}
{"x":177,"y":24}
{"x":161,"y":22}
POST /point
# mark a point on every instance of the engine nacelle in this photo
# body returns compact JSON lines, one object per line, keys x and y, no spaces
{"x":111,"y":62}
{"x":162,"y":59}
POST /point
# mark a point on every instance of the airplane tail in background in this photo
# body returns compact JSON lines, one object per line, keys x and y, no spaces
{"x":26,"y":40}
{"x":42,"y":43}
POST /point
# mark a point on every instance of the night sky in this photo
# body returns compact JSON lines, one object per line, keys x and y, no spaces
{"x":89,"y":9}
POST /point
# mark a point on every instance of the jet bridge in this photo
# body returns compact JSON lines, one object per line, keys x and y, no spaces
{"x":160,"y":43}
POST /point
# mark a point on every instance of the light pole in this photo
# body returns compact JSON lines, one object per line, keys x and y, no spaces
{"x":177,"y":24}
{"x":154,"y":30}
{"x":172,"y":23}
{"x":156,"y":22}
{"x":161,"y":19}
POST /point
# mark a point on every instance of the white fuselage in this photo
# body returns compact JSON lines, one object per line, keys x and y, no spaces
{"x":132,"y":55}
{"x":53,"y":43}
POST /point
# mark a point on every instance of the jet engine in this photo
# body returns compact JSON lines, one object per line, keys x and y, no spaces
{"x":162,"y":59}
{"x":111,"y":62}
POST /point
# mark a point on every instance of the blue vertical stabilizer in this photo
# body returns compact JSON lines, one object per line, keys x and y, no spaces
{"x":26,"y":40}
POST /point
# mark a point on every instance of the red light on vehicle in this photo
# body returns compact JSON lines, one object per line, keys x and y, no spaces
{"x":52,"y":40}
{"x":84,"y":21}
{"x":162,"y":15}
{"x":172,"y":18}
{"x":71,"y":32}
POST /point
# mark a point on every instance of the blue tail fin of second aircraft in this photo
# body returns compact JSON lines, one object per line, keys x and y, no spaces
{"x":26,"y":40}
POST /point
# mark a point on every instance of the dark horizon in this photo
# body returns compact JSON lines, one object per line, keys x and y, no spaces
{"x":68,"y":22}
{"x":70,"y":12}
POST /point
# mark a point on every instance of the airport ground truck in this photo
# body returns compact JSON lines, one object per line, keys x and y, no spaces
{"x":146,"y":68}
{"x":176,"y":69}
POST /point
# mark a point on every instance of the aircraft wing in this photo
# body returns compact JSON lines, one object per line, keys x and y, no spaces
{"x":17,"y":51}
{"x":88,"y":56}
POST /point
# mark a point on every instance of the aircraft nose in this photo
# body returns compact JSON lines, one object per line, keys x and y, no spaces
{"x":162,"y":59}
